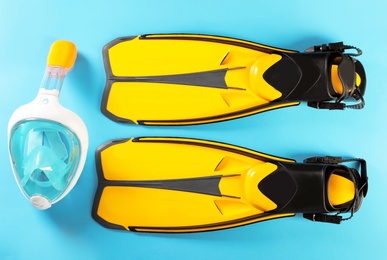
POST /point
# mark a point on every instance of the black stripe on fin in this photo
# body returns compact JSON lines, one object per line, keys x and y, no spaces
{"x":213,"y":79}
{"x":203,"y":185}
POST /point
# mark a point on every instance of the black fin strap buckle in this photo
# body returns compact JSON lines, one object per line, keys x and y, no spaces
{"x":327,"y":105}
{"x":333,"y":219}
{"x":336,"y":105}
{"x":324,"y":159}
{"x":335,"y":47}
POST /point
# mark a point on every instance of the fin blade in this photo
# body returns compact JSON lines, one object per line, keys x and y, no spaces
{"x":179,"y":86}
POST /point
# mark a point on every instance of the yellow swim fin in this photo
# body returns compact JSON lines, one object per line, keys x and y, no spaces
{"x":184,"y":79}
{"x":176,"y":185}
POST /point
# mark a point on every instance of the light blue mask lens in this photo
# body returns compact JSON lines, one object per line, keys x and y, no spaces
{"x":45,"y":157}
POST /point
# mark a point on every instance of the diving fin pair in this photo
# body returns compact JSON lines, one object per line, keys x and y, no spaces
{"x":186,"y":79}
{"x":178,"y":185}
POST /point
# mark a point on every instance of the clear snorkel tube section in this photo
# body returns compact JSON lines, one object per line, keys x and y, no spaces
{"x":60,"y":61}
{"x":47,"y":142}
{"x":53,"y":79}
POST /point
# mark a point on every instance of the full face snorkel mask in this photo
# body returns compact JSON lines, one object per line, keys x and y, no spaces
{"x":47,"y":142}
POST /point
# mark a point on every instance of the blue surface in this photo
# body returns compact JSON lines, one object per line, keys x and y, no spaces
{"x":67,"y":231}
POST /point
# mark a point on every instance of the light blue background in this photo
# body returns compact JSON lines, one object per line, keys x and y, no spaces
{"x":67,"y":231}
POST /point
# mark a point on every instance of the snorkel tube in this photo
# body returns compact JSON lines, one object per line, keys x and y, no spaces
{"x":47,"y":142}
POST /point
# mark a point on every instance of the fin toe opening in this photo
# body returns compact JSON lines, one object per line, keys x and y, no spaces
{"x":341,"y":190}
